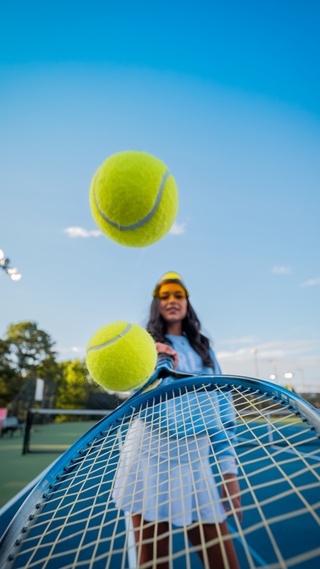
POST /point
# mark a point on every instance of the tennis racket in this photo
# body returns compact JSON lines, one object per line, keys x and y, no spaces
{"x":74,"y":517}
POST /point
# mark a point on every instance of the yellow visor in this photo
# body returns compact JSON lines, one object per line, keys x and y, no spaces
{"x":171,"y":290}
{"x":167,"y":278}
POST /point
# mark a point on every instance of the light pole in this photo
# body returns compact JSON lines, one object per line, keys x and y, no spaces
{"x":11,"y":271}
{"x":255,"y":358}
{"x":274,"y":375}
{"x":288,"y":375}
{"x":302,"y":378}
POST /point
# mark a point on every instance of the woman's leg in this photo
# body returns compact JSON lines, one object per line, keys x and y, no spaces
{"x":215,"y":555}
{"x":151,"y":547}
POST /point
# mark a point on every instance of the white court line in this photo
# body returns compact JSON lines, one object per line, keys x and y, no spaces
{"x":284,"y":449}
{"x":317,"y":458}
{"x":253,"y":552}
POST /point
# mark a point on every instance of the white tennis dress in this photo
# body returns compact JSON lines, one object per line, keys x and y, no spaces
{"x":170,"y":478}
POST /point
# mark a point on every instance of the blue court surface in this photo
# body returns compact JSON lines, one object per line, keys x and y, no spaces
{"x":78,"y":524}
{"x":272,"y":512}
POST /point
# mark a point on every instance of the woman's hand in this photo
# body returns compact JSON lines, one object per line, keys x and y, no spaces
{"x":165,"y":349}
{"x":231,"y":493}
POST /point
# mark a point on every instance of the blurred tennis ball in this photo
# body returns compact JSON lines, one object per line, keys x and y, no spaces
{"x":121,"y":356}
{"x":134,"y":198}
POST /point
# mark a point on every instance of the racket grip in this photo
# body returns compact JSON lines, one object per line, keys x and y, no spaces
{"x":164,"y":360}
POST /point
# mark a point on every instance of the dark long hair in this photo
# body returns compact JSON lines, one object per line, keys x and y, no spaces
{"x":191,"y":326}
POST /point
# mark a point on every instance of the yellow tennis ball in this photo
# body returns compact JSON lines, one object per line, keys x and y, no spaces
{"x":134,"y":198}
{"x":121,"y":356}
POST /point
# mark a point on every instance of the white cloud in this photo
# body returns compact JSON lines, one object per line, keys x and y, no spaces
{"x":178,"y":228}
{"x":262,"y":359}
{"x":311,"y":282}
{"x":267,"y":351}
{"x":75,"y":232}
{"x":281,"y":270}
{"x":242,"y":340}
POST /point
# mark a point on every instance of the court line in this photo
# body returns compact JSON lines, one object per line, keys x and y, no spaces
{"x":288,"y":450}
{"x":309,"y":456}
{"x":253,"y":552}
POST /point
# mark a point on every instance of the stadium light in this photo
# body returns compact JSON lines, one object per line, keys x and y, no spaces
{"x":288,"y":375}
{"x":11,"y":271}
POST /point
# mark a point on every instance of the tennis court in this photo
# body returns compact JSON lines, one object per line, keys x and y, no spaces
{"x":48,"y":441}
{"x":268,"y":494}
{"x":279,"y":463}
{"x":18,"y":471}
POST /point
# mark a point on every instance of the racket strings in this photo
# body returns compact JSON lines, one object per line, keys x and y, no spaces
{"x":71,"y":496}
{"x":227,"y":413}
{"x":78,"y":507}
{"x":304,"y":464}
{"x":79,"y":524}
{"x":268,"y":408}
{"x":243,"y":402}
{"x":203,"y":543}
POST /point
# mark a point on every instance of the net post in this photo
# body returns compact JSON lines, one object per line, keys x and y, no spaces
{"x":27,"y":431}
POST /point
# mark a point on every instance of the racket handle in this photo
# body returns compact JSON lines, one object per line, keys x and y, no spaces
{"x":164,"y":360}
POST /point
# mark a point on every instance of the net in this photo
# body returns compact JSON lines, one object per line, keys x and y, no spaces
{"x":48,"y":415}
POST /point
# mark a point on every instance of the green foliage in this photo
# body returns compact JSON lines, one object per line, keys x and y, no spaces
{"x":5,"y":363}
{"x":74,"y":387}
{"x":10,"y":383}
{"x":28,"y":353}
{"x":30,"y":346}
{"x":25,"y":354}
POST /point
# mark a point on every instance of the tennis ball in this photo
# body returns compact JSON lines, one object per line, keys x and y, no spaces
{"x":121,"y":356}
{"x":134,"y":198}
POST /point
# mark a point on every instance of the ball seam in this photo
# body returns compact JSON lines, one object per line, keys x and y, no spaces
{"x":108,"y":342}
{"x":142,"y":221}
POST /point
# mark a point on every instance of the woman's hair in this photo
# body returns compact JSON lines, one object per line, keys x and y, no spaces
{"x":191,"y":326}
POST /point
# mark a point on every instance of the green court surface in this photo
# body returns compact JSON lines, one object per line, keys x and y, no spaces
{"x":47,"y":442}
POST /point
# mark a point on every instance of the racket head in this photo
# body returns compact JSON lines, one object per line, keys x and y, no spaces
{"x":248,"y":395}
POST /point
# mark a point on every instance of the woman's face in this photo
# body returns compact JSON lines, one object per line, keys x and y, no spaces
{"x":173,"y":302}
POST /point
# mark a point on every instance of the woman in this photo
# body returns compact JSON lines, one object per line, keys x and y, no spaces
{"x":176,"y":330}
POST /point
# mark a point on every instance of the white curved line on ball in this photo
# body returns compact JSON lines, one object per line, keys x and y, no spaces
{"x":142,"y":221}
{"x":125,"y":331}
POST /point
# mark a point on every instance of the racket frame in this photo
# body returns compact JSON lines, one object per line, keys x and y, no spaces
{"x":139,"y":400}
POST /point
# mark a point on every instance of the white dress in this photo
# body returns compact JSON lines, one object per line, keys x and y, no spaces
{"x":166,"y":478}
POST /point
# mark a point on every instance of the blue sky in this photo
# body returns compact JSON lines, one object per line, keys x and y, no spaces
{"x":228,"y":96}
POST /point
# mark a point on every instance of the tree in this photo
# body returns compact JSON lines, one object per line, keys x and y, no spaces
{"x":73,"y":387}
{"x":30,"y":347}
{"x":26,"y":353}
{"x":9,"y":382}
